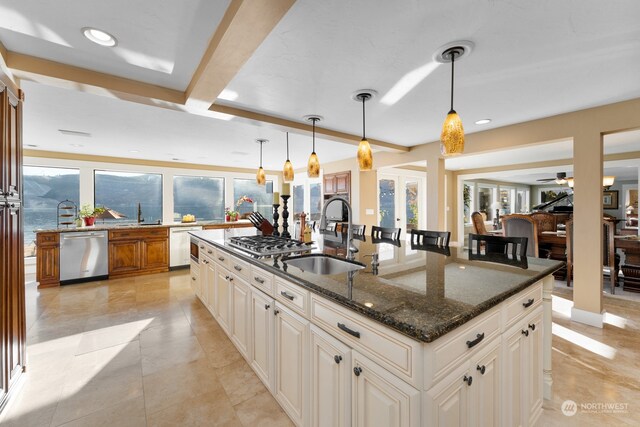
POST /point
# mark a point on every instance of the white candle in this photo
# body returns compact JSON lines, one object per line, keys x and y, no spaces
{"x":286,"y":189}
{"x":276,"y":198}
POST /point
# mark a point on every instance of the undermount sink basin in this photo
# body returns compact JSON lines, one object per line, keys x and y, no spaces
{"x":322,"y":264}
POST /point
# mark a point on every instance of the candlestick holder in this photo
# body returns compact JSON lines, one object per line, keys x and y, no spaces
{"x":285,"y":217}
{"x":276,"y":215}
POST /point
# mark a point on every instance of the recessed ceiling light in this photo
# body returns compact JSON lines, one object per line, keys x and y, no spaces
{"x":74,"y":133}
{"x":77,"y":145}
{"x":99,"y":37}
{"x":30,"y":145}
{"x":483,"y":121}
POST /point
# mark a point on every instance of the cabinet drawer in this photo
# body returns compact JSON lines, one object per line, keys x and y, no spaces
{"x":292,"y":296}
{"x":133,"y":234}
{"x":48,"y":239}
{"x":262,"y":280}
{"x":446,"y":352}
{"x":522,"y":305}
{"x":391,"y":349}
{"x":239,"y":268}
{"x":221,"y":257}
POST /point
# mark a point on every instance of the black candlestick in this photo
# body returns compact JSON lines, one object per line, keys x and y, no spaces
{"x":285,"y":216}
{"x":276,"y":215}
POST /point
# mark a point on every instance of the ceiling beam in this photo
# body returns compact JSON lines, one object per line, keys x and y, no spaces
{"x":243,"y":28}
{"x":303,"y":128}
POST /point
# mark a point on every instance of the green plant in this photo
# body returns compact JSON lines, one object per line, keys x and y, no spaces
{"x":413,"y":207}
{"x":88,"y":211}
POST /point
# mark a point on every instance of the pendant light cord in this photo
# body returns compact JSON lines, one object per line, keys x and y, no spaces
{"x":314,"y":133}
{"x":287,"y":145}
{"x":261,"y":153}
{"x":363,"y":116}
{"x":453,"y":60}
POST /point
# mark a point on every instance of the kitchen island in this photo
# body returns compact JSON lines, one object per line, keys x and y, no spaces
{"x":424,"y":337}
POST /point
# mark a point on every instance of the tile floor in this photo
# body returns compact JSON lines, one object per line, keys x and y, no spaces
{"x":144,"y":351}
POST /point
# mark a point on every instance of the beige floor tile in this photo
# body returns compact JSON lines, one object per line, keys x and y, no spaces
{"x":179,"y":351}
{"x":166,"y":333}
{"x":211,"y":409}
{"x":177,"y":384}
{"x":262,"y":410}
{"x":81,"y":398}
{"x":104,"y":362}
{"x":219,"y":349}
{"x":110,"y":336}
{"x":240,"y":382}
{"x":130,"y":413}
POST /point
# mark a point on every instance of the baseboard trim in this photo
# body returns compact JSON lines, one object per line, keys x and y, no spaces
{"x":588,"y":317}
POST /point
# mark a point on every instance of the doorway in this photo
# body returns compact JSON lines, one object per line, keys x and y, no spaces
{"x":401,"y":200}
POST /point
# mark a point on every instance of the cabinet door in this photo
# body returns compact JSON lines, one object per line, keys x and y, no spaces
{"x":262,"y":337}
{"x":155,"y":254}
{"x":124,"y":256}
{"x":486,"y":388}
{"x":292,"y":379}
{"x":380,"y":399}
{"x":343,"y":182}
{"x":448,"y":402}
{"x":208,"y":287}
{"x":534,"y":369}
{"x":330,"y":380}
{"x":514,"y":380}
{"x":329,"y":184}
{"x":48,"y":264}
{"x":241,"y":300}
{"x":224,"y":293}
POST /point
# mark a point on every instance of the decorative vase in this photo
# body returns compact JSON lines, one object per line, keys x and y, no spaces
{"x":89,"y":220}
{"x":227,"y":218}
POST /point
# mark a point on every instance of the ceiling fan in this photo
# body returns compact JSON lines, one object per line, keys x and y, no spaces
{"x":560,"y":179}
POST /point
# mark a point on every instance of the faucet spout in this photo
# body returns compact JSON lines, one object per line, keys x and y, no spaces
{"x":140,"y":218}
{"x":351,"y":249}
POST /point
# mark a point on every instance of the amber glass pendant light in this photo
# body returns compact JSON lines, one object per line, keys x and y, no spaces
{"x":287,"y":171}
{"x":313,"y":165}
{"x":452,"y":136}
{"x":365,"y":156}
{"x":261,"y":179}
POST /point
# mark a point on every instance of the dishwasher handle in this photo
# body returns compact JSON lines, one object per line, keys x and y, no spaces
{"x":84,"y":236}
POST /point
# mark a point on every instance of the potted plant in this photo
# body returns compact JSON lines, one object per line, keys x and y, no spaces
{"x":88,"y":213}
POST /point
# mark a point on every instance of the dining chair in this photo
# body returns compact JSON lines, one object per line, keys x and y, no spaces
{"x":385,"y":233}
{"x":427,"y":237}
{"x":478,"y":223}
{"x":480,"y":244}
{"x":518,"y":225}
{"x":610,"y":259}
{"x":545,"y":221}
{"x":357,"y":229}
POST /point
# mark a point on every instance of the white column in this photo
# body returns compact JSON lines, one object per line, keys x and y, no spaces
{"x":547,"y":289}
{"x":587,"y":230}
{"x":436,"y":201}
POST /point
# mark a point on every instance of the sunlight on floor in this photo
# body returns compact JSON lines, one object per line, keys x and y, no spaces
{"x":561,"y":306}
{"x":583,"y":341}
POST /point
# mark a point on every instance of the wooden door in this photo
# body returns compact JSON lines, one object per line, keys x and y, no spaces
{"x":330,"y":381}
{"x":124,"y":257}
{"x":155,"y":254}
{"x":292,"y":341}
{"x":343,"y":182}
{"x":262,"y":337}
{"x":329,"y":182}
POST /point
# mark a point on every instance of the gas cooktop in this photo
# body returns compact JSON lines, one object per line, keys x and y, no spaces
{"x":262,"y":246}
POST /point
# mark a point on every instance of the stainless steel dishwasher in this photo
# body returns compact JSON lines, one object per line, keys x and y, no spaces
{"x":84,"y":256}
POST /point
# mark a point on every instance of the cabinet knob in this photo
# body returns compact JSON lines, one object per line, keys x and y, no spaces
{"x":357,"y":371}
{"x":266,"y":306}
{"x":337,"y":358}
{"x":532,"y":326}
{"x":259,"y":280}
{"x":221,"y":259}
{"x":482,"y":369}
{"x":237,"y":268}
{"x":209,"y":251}
{"x":276,"y":312}
{"x":226,"y":277}
{"x":468,"y":379}
{"x":525,"y":332}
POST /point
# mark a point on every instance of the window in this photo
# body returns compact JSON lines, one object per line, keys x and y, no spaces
{"x":123,"y":191}
{"x":200,"y":196}
{"x":387,"y":202}
{"x":298,"y":201}
{"x":315,"y":199}
{"x":485,"y":199}
{"x":506,"y":200}
{"x":44,"y":188}
{"x":262,"y":196}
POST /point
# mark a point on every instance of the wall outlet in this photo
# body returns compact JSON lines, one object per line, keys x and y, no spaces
{"x":369,"y":211}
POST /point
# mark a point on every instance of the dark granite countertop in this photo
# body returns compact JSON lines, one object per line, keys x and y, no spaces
{"x":420,"y":292}
{"x":124,"y":225}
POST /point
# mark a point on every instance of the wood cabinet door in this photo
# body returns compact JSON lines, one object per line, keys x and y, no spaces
{"x":262,"y":337}
{"x":223,"y":299}
{"x":155,"y":254}
{"x":124,"y":256}
{"x":343,"y":182}
{"x":292,"y":342}
{"x":380,"y":399}
{"x":48,"y":265}
{"x":241,"y":306}
{"x":329,"y":182}
{"x":330,"y":380}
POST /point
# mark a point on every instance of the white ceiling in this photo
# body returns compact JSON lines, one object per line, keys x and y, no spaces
{"x":531,"y":60}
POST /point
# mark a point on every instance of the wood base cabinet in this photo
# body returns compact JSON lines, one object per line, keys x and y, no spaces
{"x":48,"y":259}
{"x":138,"y":251}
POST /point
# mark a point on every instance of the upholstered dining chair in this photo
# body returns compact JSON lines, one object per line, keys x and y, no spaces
{"x":385,"y":233}
{"x":609,"y":257}
{"x":478,"y":223}
{"x":427,"y":237}
{"x":545,"y":221}
{"x":518,"y":225}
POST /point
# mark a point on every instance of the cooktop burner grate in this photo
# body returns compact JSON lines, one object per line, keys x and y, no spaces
{"x":269,"y":245}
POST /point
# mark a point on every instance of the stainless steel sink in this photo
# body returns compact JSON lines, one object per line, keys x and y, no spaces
{"x":323,"y":264}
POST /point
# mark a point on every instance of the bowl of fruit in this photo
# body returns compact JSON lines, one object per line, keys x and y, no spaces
{"x":188,"y":218}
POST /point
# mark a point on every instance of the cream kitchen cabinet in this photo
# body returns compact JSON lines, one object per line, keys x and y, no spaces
{"x":292,"y":363}
{"x":380,"y":399}
{"x":224,"y":299}
{"x":241,"y":301}
{"x":522,"y":386}
{"x":262,"y":350}
{"x":195,"y":277}
{"x":330,"y":381}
